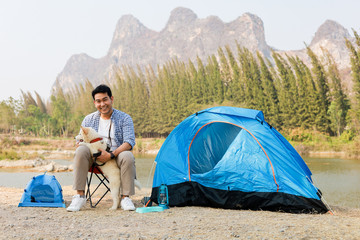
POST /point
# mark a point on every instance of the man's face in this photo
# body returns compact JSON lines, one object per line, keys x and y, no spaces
{"x":103,"y":103}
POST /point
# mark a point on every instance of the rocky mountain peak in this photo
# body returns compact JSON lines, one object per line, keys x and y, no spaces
{"x":330,"y":30}
{"x":128,"y":27}
{"x":185,"y":37}
{"x":180,"y":17}
{"x":252,"y":34}
{"x":252,"y":17}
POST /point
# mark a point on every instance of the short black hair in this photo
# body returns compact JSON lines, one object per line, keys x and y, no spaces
{"x":101,"y":89}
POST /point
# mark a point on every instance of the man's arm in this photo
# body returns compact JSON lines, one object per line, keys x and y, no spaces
{"x":106,"y":156}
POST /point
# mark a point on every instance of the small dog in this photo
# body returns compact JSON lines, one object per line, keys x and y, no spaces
{"x":90,"y":138}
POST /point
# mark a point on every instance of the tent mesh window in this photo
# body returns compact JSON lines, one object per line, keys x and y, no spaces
{"x":210,"y":144}
{"x":42,"y":193}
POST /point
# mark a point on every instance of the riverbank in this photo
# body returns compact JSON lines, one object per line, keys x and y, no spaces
{"x":175,"y":223}
{"x":40,"y":154}
{"x":28,"y":148}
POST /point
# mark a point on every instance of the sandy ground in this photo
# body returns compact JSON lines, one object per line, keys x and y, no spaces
{"x":174,"y":223}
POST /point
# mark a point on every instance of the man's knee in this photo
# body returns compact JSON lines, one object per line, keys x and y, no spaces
{"x":82,"y":157}
{"x":125,"y":158}
{"x":82,"y":151}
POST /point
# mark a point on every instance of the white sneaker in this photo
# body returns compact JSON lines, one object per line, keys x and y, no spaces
{"x":127,"y":204}
{"x":77,"y":203}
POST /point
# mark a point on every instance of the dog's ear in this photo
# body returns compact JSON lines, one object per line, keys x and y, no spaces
{"x":85,"y":130}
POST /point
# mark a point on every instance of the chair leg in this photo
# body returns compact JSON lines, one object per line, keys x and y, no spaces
{"x":103,"y":180}
{"x":88,"y":192}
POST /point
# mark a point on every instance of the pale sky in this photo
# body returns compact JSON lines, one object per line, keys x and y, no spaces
{"x":37,"y":37}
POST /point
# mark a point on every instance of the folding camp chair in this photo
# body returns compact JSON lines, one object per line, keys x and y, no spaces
{"x":95,"y":170}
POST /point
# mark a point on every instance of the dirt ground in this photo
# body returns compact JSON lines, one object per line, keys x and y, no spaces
{"x":174,"y":223}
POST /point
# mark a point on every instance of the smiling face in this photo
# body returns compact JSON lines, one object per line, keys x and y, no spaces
{"x":103,"y":104}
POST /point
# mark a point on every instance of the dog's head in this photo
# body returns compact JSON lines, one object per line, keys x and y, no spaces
{"x":92,"y":139}
{"x":79,"y":138}
{"x":88,"y":134}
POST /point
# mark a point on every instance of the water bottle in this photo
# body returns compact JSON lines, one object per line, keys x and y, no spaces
{"x":163,"y":198}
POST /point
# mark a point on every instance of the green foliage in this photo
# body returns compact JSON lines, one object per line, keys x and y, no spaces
{"x":60,"y":114}
{"x":9,"y":142}
{"x":139,"y":147}
{"x":300,"y":135}
{"x":7,"y":115}
{"x":347,"y":136}
{"x":9,"y":155}
{"x":270,"y":95}
{"x":322,"y":119}
{"x":288,"y":95}
{"x":355,"y":67}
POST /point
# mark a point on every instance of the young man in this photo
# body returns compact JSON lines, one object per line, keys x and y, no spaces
{"x":117,"y":129}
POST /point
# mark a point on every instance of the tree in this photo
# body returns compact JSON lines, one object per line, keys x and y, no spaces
{"x":322,"y":120}
{"x":225,"y":74}
{"x":40,"y":103}
{"x":286,"y":92}
{"x":236,"y":86}
{"x":216,"y":86}
{"x":307,"y":98}
{"x":60,"y":114}
{"x":8,"y":110}
{"x":140,"y":101}
{"x":355,"y":70}
{"x":339,"y":105}
{"x":271,"y":101}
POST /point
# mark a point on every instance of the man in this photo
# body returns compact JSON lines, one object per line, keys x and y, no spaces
{"x":117,"y":129}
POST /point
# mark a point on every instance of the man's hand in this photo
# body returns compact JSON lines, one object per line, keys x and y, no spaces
{"x":104,"y":157}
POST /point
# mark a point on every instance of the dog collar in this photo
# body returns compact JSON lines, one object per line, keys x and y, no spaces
{"x":96,"y":140}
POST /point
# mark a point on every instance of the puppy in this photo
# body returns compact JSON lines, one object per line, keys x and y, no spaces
{"x":90,"y":138}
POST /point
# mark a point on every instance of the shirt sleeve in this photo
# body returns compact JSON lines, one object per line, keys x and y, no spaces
{"x":86,"y":121}
{"x":128,"y":131}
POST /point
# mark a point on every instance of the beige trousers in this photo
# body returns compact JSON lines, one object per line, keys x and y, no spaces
{"x":83,"y":160}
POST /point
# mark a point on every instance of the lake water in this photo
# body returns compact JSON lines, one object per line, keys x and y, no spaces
{"x":18,"y":178}
{"x":339,"y":180}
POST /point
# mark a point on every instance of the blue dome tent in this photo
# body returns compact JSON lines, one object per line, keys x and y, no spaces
{"x":232,"y":158}
{"x":42,"y":191}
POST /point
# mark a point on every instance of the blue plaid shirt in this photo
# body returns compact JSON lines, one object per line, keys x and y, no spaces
{"x":124,"y":126}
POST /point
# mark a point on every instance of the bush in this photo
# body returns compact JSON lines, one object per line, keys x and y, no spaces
{"x":353,"y":149}
{"x":159,"y":142}
{"x":347,"y":136}
{"x":139,"y":147}
{"x":7,"y":142}
{"x":301,"y":135}
{"x":41,"y":143}
{"x":9,"y":154}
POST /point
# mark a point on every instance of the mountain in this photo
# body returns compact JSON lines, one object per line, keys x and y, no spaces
{"x":184,"y":37}
{"x":329,"y":37}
